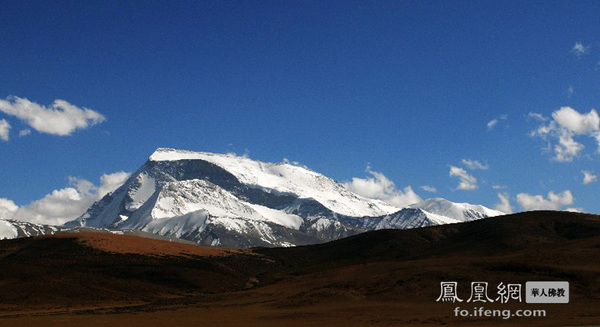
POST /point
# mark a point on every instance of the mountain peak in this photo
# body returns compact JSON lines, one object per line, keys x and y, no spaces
{"x":231,"y":200}
{"x":458,"y":211}
{"x":170,"y":154}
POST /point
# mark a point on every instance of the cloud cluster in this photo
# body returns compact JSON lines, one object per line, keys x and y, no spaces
{"x":570,"y":91}
{"x":588,"y":177}
{"x":492,"y":123}
{"x":504,"y":204}
{"x":467,"y":181}
{"x":61,"y":118}
{"x":4,"y":130}
{"x":566,"y":124}
{"x":538,"y":202}
{"x":572,"y":120}
{"x":65,"y":204}
{"x":529,"y":202}
{"x":7,"y":208}
{"x":579,"y":49}
{"x":474,"y":164}
{"x":382,"y":188}
{"x":429,"y":189}
{"x":537,"y":116}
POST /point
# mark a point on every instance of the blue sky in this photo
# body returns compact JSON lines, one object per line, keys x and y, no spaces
{"x":409,"y":88}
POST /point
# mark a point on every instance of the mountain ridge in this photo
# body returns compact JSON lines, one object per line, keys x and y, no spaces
{"x":229,"y":200}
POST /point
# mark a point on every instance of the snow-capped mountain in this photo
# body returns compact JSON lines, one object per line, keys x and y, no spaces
{"x":10,"y":229}
{"x":456,"y":211}
{"x":285,"y":178}
{"x":229,"y":200}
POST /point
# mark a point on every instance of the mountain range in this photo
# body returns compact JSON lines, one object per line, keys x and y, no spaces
{"x":233,"y":201}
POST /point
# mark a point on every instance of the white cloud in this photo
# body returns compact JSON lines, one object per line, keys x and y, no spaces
{"x":467,"y":181}
{"x":382,"y":188}
{"x":581,"y":124}
{"x":570,"y":91}
{"x":429,"y":189}
{"x":589,"y":177}
{"x":566,"y":124}
{"x":504,"y":204}
{"x":579,"y":49}
{"x":294,"y":163}
{"x":578,"y":209}
{"x":24,"y":132}
{"x":110,"y":182}
{"x":71,"y":202}
{"x":537,"y":202}
{"x":474,"y":164}
{"x":499,"y":187}
{"x":537,"y":116}
{"x":567,"y":148}
{"x":7,"y":208}
{"x":492,"y":123}
{"x":4,"y":130}
{"x":61,"y":118}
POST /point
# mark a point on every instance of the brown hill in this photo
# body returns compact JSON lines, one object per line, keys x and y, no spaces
{"x":388,"y":277}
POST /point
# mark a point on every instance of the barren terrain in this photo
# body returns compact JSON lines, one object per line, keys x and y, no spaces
{"x":388,"y":277}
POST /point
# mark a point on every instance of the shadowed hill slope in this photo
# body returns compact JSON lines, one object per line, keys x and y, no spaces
{"x":83,"y":269}
{"x":484,"y":237}
{"x":387,"y":277}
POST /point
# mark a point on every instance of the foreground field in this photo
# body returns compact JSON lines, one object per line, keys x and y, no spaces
{"x":388,"y":277}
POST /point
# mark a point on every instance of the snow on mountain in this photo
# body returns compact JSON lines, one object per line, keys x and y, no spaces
{"x":286,"y":178}
{"x":10,"y":229}
{"x":146,"y":186}
{"x":229,"y":200}
{"x":457,"y":211}
{"x":181,"y":198}
{"x":405,"y":219}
